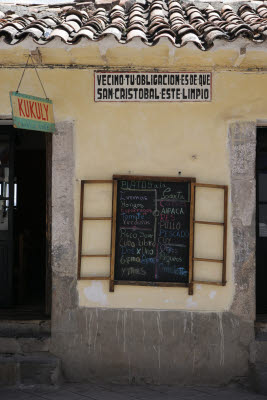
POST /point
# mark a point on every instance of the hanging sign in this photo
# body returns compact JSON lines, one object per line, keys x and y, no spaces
{"x":152,"y":86}
{"x":30,"y":112}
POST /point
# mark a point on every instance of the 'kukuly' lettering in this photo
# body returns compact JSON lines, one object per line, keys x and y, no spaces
{"x":33,"y":109}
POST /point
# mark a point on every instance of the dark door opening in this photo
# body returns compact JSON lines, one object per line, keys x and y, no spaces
{"x":24,"y":269}
{"x":261,"y":222}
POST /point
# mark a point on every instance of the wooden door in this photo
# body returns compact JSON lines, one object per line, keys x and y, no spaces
{"x":261,"y":226}
{"x":48,"y":282}
{"x":6,"y":217}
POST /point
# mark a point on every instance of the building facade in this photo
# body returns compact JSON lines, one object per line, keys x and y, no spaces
{"x":148,"y":334}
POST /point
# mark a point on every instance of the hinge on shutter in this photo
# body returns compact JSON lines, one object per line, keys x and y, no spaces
{"x":192,"y":257}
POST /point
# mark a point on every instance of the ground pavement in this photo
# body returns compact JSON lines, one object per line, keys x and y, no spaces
{"x":75,"y":391}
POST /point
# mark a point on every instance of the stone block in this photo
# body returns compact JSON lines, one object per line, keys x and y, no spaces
{"x":21,"y":345}
{"x":33,"y":345}
{"x":63,"y":246}
{"x":39,"y":369}
{"x":244,"y":270}
{"x":258,"y":377}
{"x":258,"y":351}
{"x":15,"y":329}
{"x":244,"y":201}
{"x":242,"y":144}
{"x":9,"y":370}
{"x":9,"y":345}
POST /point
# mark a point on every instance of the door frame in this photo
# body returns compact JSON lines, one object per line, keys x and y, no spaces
{"x":48,"y":267}
{"x":7,"y":236}
{"x":48,"y":280}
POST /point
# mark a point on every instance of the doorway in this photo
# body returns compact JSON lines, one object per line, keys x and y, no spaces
{"x":25,"y":287}
{"x":261,"y":222}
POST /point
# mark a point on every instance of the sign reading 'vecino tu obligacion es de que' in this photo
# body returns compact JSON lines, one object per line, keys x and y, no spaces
{"x":153,"y":86}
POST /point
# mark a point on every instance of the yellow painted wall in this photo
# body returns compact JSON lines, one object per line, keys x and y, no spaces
{"x":150,"y":139}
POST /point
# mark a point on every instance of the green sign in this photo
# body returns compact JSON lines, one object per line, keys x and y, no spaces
{"x":30,"y":112}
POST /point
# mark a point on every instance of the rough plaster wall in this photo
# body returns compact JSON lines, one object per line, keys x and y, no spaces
{"x":136,"y":346}
{"x":150,"y":346}
{"x":242,"y":146}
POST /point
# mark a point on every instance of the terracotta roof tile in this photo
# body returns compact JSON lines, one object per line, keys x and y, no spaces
{"x":146,"y":20}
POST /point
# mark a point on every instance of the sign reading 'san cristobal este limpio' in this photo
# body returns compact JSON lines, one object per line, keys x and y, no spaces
{"x":152,"y":86}
{"x":31,"y":112}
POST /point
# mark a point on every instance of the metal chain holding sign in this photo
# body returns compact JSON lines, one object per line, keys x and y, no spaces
{"x":30,"y":57}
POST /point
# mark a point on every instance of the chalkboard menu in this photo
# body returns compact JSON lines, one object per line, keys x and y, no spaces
{"x":152,"y":230}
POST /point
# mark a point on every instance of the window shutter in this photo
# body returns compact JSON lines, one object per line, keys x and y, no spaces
{"x":193,"y":240}
{"x":88,"y":218}
{"x":193,"y":222}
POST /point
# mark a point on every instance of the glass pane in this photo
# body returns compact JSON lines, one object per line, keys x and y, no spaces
{"x":262,"y":182}
{"x":3,"y":215}
{"x":4,"y":185}
{"x":263,"y":220}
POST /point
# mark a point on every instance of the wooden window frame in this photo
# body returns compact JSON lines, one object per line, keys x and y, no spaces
{"x":82,"y":218}
{"x":192,"y":232}
{"x":113,"y":219}
{"x":117,"y":178}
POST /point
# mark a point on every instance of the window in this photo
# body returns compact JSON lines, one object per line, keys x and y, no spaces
{"x":153,"y":232}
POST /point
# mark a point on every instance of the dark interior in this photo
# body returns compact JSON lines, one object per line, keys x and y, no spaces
{"x":27,"y":225}
{"x":29,"y":219}
{"x":261,"y":225}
